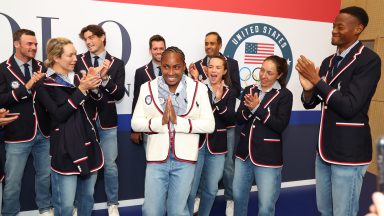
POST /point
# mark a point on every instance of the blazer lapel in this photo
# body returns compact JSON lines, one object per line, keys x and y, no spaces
{"x":86,"y":59}
{"x":110,"y":58}
{"x":37,"y":66}
{"x":191,"y":95}
{"x":150,"y":71}
{"x":153,"y":90}
{"x":346,"y":62}
{"x":14,"y":69}
{"x":200,"y":67}
{"x":269,"y":97}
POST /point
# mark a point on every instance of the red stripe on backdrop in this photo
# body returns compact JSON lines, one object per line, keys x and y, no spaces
{"x":320,"y":10}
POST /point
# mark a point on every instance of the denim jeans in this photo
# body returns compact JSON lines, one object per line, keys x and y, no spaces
{"x":229,"y":165}
{"x":64,"y":190}
{"x":268,"y":181}
{"x":16,"y":158}
{"x":338,"y":188}
{"x":167,"y":187}
{"x":108,"y":142}
{"x":209,"y":169}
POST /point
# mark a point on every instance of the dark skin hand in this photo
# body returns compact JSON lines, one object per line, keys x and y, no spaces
{"x":307,"y":70}
{"x":169,"y":113}
{"x":136,"y":137}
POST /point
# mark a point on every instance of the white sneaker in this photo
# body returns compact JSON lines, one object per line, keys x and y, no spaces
{"x":196,"y":205}
{"x":47,"y":213}
{"x":74,"y":212}
{"x":229,"y":208}
{"x":113,"y":210}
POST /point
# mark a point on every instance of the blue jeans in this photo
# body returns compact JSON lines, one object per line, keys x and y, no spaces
{"x":229,"y":165}
{"x":108,"y":142}
{"x":16,"y":158}
{"x":338,"y":188}
{"x":268,"y":181}
{"x":209,"y":170}
{"x":167,"y":187}
{"x":64,"y":190}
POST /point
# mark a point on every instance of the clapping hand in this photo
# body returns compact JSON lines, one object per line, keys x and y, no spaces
{"x":6,"y":118}
{"x":89,"y":81}
{"x":36,"y":76}
{"x":219,"y":91}
{"x":309,"y":74}
{"x":251,"y":100}
{"x":193,"y":71}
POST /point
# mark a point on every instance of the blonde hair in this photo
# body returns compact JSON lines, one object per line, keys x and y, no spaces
{"x":55,"y":48}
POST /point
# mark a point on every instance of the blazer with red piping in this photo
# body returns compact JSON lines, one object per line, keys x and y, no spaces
{"x":344,"y":134}
{"x":261,"y":136}
{"x":112,"y":92}
{"x":198,"y":119}
{"x":15,"y":97}
{"x":224,"y":113}
{"x":75,"y":147}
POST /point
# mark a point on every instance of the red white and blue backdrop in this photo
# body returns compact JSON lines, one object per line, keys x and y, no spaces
{"x":251,"y":30}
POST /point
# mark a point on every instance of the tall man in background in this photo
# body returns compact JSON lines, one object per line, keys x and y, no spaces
{"x":146,"y":73}
{"x":112,"y":88}
{"x":344,"y":86}
{"x":28,"y":134}
{"x":213,"y":44}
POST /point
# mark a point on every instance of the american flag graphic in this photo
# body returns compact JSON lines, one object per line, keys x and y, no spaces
{"x":255,"y":53}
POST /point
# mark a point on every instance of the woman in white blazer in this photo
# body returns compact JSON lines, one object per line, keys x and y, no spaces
{"x":173,"y":109}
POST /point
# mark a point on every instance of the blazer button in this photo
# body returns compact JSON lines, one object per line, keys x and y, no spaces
{"x":253,"y":126}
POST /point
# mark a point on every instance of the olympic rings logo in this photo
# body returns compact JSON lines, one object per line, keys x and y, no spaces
{"x":246,"y":74}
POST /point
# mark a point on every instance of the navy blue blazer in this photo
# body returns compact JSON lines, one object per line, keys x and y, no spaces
{"x":344,"y":134}
{"x":224,"y":113}
{"x":15,"y":97}
{"x":112,"y":92}
{"x":261,"y":136}
{"x":74,"y":140}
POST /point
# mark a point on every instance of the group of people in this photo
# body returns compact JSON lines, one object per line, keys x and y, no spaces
{"x":64,"y":113}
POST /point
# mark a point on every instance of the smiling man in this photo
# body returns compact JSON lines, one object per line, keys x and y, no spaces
{"x":28,"y":134}
{"x":344,"y":87}
{"x":174,"y":110}
{"x":146,"y":73}
{"x":112,"y":89}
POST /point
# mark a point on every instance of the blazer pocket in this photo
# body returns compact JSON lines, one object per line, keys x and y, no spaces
{"x":271,"y":140}
{"x":349,"y":124}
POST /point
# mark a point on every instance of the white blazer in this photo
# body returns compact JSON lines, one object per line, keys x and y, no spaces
{"x":198,"y":118}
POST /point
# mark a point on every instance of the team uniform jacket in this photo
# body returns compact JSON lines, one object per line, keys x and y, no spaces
{"x":261,"y":136}
{"x":224,"y":114}
{"x":74,"y":140}
{"x":15,"y":97}
{"x":198,"y":118}
{"x":112,"y":92}
{"x":233,"y":69}
{"x":142,"y":75}
{"x":344,"y":134}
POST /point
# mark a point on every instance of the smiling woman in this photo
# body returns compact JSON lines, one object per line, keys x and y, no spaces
{"x":75,"y":148}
